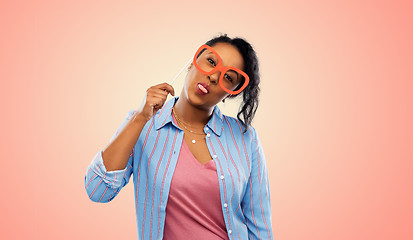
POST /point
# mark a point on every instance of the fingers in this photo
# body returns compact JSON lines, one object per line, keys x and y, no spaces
{"x":156,"y":95}
{"x":156,"y":99}
{"x":166,"y":87}
{"x":159,"y":92}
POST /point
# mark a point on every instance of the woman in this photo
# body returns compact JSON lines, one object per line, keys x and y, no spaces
{"x":198,"y":174}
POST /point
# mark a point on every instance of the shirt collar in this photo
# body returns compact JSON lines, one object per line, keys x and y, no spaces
{"x":165,"y":116}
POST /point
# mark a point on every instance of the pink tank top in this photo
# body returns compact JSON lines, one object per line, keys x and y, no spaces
{"x":193,"y":210}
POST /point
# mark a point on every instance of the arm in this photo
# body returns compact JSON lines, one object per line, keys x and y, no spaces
{"x":256,"y":203}
{"x":110,"y":169}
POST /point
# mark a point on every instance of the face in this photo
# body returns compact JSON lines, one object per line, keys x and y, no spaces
{"x":196,"y":81}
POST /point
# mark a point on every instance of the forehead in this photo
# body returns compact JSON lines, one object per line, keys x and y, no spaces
{"x":229,"y":54}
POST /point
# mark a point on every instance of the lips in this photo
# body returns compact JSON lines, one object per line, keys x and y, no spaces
{"x":203,"y":87}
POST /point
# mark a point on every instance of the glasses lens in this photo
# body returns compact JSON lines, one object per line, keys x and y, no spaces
{"x":207,"y":62}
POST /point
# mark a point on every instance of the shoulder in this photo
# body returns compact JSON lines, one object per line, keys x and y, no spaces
{"x":237,"y":127}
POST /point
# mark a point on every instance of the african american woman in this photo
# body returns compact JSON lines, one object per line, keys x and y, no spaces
{"x":197,"y":173}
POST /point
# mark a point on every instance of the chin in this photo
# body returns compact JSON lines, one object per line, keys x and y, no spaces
{"x":195,"y":99}
{"x":198,"y":101}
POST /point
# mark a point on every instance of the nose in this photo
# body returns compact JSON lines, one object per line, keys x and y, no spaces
{"x":213,"y":78}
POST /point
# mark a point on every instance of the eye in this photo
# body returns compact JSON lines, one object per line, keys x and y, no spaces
{"x":211,"y":61}
{"x":228,"y":77}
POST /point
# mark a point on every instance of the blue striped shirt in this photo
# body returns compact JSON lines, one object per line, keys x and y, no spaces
{"x":241,"y":171}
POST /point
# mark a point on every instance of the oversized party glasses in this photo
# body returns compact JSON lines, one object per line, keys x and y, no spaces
{"x":207,"y":61}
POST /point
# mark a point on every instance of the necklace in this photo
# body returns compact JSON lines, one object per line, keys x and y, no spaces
{"x":184,"y":123}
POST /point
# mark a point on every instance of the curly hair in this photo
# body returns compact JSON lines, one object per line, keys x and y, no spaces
{"x":250,"y":94}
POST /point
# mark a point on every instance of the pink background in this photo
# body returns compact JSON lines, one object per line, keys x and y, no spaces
{"x":335,"y":118}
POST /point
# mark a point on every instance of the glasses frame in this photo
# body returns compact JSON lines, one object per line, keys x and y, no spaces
{"x":222,"y":69}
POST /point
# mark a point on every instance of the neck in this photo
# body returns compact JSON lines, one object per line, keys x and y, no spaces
{"x":192,"y":115}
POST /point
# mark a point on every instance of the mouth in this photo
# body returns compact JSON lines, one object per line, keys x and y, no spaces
{"x":202,"y":88}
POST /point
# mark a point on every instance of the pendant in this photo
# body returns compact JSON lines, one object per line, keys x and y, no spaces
{"x":193,"y":141}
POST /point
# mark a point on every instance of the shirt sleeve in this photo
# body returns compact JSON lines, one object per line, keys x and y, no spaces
{"x":102,"y":185}
{"x":256,"y":203}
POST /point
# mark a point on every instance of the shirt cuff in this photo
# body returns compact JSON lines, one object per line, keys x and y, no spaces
{"x":113,"y":178}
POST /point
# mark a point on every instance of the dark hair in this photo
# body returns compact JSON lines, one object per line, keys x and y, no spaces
{"x":251,"y":92}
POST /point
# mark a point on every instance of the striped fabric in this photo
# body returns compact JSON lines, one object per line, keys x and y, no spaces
{"x":241,"y":169}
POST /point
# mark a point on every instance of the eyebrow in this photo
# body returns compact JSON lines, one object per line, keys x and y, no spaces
{"x":210,"y":52}
{"x":238,"y":76}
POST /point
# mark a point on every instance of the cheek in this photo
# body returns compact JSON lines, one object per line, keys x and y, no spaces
{"x":189,"y":77}
{"x":221,"y":93}
{"x":192,"y":75}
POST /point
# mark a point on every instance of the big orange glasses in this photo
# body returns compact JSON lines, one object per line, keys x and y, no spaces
{"x":207,"y":61}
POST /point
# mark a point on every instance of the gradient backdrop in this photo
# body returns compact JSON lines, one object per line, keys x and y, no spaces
{"x":335,"y":115}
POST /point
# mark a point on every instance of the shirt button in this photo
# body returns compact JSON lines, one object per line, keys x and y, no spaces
{"x":215,"y":156}
{"x":229,"y":231}
{"x":222,"y":176}
{"x":225,"y":204}
{"x":208,"y":135}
